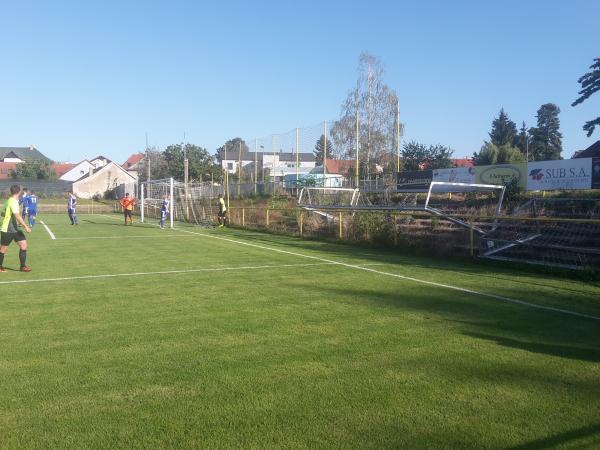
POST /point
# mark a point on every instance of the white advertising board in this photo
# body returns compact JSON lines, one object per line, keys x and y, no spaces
{"x":561,"y":174}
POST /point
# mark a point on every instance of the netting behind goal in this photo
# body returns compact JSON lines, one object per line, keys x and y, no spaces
{"x":195,"y":203}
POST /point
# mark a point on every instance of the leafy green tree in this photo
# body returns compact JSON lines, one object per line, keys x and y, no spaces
{"x":497,"y":154}
{"x":233,"y":148}
{"x":319,"y":146}
{"x":155,"y":161}
{"x":546,"y":138}
{"x":590,"y":84}
{"x":503,"y":131}
{"x":417,"y":156}
{"x":200,"y":163}
{"x":522,"y":140}
{"x":34,"y":170}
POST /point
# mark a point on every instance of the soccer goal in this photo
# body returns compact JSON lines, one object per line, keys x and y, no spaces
{"x":152,"y":195}
{"x":192,"y":202}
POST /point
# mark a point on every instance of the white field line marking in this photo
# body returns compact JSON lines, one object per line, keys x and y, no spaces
{"x":139,"y":236}
{"x":403,"y":277}
{"x":48,"y":230}
{"x":163,"y":272}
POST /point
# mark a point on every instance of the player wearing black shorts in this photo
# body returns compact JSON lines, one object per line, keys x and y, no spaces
{"x":9,"y":230}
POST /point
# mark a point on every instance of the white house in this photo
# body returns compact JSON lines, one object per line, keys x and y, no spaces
{"x":278,"y":164}
{"x":78,"y":171}
{"x":105,"y":178}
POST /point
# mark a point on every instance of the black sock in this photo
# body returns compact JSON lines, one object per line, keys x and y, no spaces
{"x":22,"y":257}
{"x":1,"y":259}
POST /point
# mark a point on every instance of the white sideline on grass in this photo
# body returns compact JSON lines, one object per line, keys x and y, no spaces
{"x":139,"y":236}
{"x":163,"y":272}
{"x":404,"y":277}
{"x":48,"y":230}
{"x":395,"y":275}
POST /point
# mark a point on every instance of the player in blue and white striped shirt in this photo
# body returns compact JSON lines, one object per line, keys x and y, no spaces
{"x":71,"y":208}
{"x":164,"y":210}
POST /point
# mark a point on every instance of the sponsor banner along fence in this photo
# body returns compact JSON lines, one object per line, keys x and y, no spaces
{"x":564,"y":174}
{"x":567,"y":174}
{"x":415,"y":180}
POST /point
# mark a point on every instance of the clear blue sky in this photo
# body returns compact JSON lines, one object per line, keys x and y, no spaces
{"x":79,"y":79}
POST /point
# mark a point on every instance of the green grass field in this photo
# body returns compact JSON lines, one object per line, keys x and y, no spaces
{"x":136,"y":337}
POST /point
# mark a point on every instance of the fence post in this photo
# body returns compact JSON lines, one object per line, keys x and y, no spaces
{"x":301,"y":222}
{"x":340,"y":225}
{"x":471,"y":237}
{"x":243,"y":217}
{"x":267,"y":217}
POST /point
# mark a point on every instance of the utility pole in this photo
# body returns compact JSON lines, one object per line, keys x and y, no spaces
{"x":185,"y":178}
{"x":324,"y":150}
{"x":357,"y":140}
{"x":239,"y":170}
{"x":297,"y":157}
{"x":255,"y":166}
{"x":226,"y":178}
{"x":273,"y":171}
{"x":148,"y":171}
{"x":398,"y":136}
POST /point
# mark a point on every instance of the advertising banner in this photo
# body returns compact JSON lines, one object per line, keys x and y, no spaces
{"x":596,"y":173}
{"x":455,"y":175}
{"x":502,"y":174}
{"x":564,"y":174}
{"x":414,"y":180}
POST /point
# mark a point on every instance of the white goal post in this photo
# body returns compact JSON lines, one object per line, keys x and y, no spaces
{"x":152,"y":194}
{"x":448,"y":187}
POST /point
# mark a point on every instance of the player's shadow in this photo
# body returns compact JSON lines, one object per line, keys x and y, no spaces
{"x":568,"y":437}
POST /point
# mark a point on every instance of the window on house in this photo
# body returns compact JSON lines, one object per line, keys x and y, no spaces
{"x":229,"y":166}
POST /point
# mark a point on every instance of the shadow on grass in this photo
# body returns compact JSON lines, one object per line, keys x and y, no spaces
{"x":479,"y":267}
{"x":116,"y":224}
{"x":508,"y":325}
{"x":592,"y":431}
{"x":564,"y":351}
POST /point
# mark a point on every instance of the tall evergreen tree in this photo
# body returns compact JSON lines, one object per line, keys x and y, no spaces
{"x":319,"y":146}
{"x":522,"y":139}
{"x":503,"y":131}
{"x":546,"y":138}
{"x":590,"y":83}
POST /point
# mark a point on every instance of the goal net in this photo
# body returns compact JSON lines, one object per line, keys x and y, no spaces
{"x":194,"y":203}
{"x":152,"y":195}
